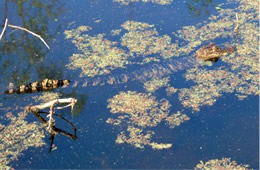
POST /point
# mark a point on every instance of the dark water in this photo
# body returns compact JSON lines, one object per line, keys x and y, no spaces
{"x":229,"y":128}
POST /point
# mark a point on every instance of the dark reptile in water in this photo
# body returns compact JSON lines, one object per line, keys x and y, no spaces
{"x":210,"y":52}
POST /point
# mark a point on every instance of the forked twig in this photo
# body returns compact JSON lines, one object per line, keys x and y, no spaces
{"x":50,"y":104}
{"x":52,"y":129}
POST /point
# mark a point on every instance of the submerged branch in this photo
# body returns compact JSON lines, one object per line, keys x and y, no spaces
{"x":34,"y":34}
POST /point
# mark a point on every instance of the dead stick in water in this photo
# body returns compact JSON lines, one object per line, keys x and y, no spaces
{"x":6,"y":21}
{"x":34,"y":34}
{"x":69,"y":101}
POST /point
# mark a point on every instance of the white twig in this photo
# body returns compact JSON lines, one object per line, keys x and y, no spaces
{"x":6,"y":21}
{"x":53,"y":102}
{"x":34,"y":34}
{"x":72,"y":103}
{"x":51,"y":121}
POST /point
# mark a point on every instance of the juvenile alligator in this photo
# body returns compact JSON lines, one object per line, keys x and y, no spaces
{"x":38,"y":86}
{"x":210,"y":52}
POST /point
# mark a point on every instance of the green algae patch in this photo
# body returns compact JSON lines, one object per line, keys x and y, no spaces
{"x":171,"y":90}
{"x":18,"y":136}
{"x":224,"y":163}
{"x":140,"y":112}
{"x":98,"y":55}
{"x":46,"y":97}
{"x":142,"y":39}
{"x":155,"y":84}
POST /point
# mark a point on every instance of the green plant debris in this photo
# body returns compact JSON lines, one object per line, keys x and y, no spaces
{"x":18,"y":136}
{"x":142,"y":109}
{"x":98,"y":21}
{"x":171,"y":90}
{"x":176,"y":119}
{"x":224,"y":163}
{"x":46,"y":97}
{"x":138,"y":138}
{"x":155,"y":84}
{"x":116,"y":32}
{"x":140,"y":112}
{"x":98,"y":55}
{"x":143,"y":39}
{"x":160,"y":2}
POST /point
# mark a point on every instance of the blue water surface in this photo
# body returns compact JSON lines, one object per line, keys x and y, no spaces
{"x":229,"y":128}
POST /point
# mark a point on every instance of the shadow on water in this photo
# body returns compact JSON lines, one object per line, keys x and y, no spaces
{"x":200,"y":7}
{"x":23,"y":55}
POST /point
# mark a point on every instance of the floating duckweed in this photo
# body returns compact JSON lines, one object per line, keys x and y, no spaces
{"x":155,"y":84}
{"x":176,"y":119}
{"x":137,"y":137}
{"x":17,"y":137}
{"x":143,"y":39}
{"x":98,"y":55}
{"x":224,"y":163}
{"x":160,"y":146}
{"x":74,"y":33}
{"x":160,"y":2}
{"x":115,"y":32}
{"x":47,"y":96}
{"x":141,"y":111}
{"x":211,"y":84}
{"x":171,"y":90}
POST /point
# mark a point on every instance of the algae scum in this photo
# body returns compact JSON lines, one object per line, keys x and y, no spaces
{"x":144,"y":92}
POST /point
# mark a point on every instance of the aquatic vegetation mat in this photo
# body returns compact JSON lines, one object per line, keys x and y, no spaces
{"x":140,"y":112}
{"x":224,"y":163}
{"x":17,"y":136}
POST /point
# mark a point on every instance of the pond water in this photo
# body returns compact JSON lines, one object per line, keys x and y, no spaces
{"x":143,"y":98}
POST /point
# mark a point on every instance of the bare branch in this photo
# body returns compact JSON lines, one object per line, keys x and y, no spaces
{"x":52,"y":103}
{"x":34,"y":34}
{"x":6,"y":21}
